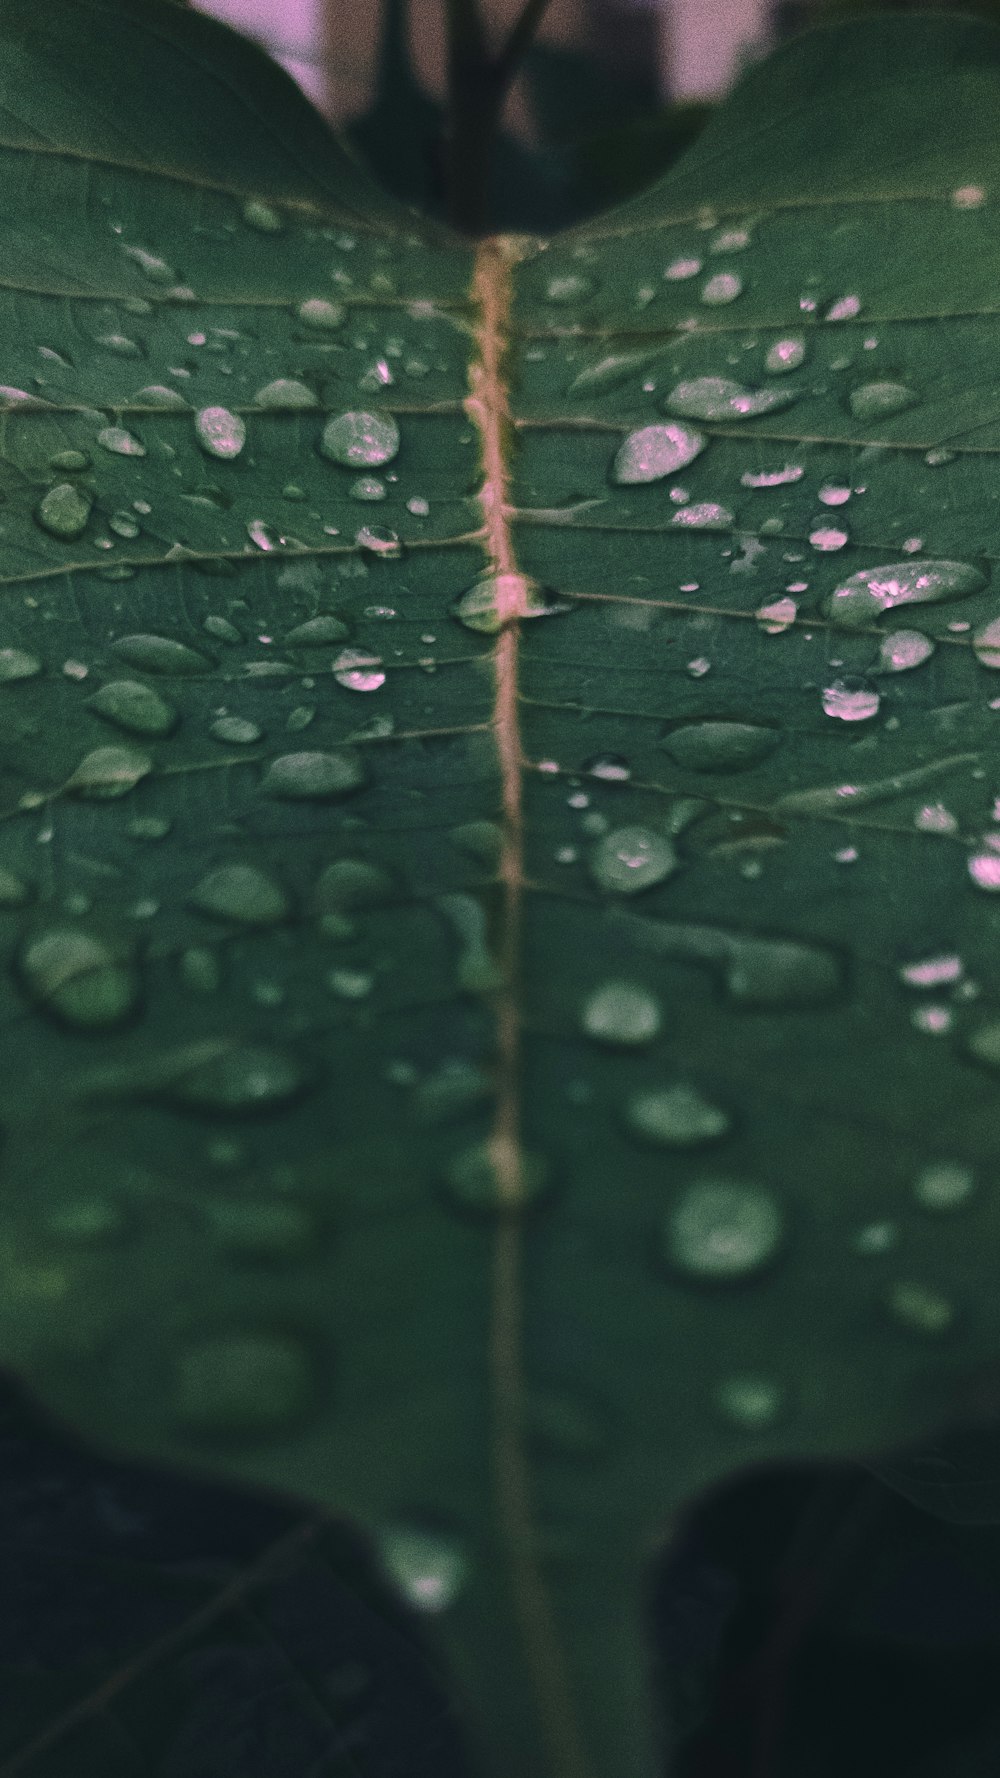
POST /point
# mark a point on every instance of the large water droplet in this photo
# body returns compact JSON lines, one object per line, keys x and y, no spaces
{"x":719,"y":746}
{"x":865,"y":595}
{"x":496,"y":599}
{"x":630,"y":859}
{"x":722,"y":1230}
{"x":677,"y":1116}
{"x":621,"y":1013}
{"x":109,"y":772}
{"x":904,"y":649}
{"x":652,"y":452}
{"x":314,"y":777}
{"x":244,"y":1384}
{"x":219,"y":432}
{"x":78,"y":978}
{"x":724,"y":287}
{"x":241,"y":892}
{"x":360,"y":440}
{"x":704,"y":515}
{"x":357,"y":670}
{"x":851,"y":700}
{"x":719,"y":398}
{"x":63,"y":512}
{"x":120,"y":442}
{"x":317,"y":312}
{"x":160,"y":654}
{"x":133,"y":706}
{"x":876,"y":401}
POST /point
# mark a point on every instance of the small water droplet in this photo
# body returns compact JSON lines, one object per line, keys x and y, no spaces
{"x":357,"y":670}
{"x":219,"y":432}
{"x":63,"y":512}
{"x":316,"y":631}
{"x":16,"y":663}
{"x":834,"y":494}
{"x":986,"y":643}
{"x":943,"y":1186}
{"x":827,"y":538}
{"x":120,"y":442}
{"x":751,"y":1402}
{"x":968,"y":197}
{"x":851,"y":700}
{"x":776,"y":616}
{"x":785,"y":355}
{"x":569,"y":288}
{"x":620,"y":1012}
{"x":109,"y":772}
{"x":682,"y":268}
{"x":920,"y":1307}
{"x":476,"y":1182}
{"x":241,"y":892}
{"x":723,"y":287}
{"x":719,"y":746}
{"x":286,"y":394}
{"x":772,"y":478}
{"x":314,"y":777}
{"x":160,"y":654}
{"x":984,"y":869}
{"x":652,"y":452}
{"x":935,"y":818}
{"x":151,"y":265}
{"x":428,"y":1566}
{"x":360,"y":440}
{"x":932,"y":972}
{"x":630,"y":859}
{"x":704,"y":515}
{"x":317,"y":312}
{"x":367,"y":487}
{"x":262,"y":216}
{"x":236,"y":731}
{"x":494,"y":599}
{"x":720,"y":398}
{"x":677,"y":1116}
{"x":161,"y":396}
{"x":876,"y":401}
{"x":844,"y":309}
{"x":79,"y":978}
{"x":612,"y":767}
{"x":723,"y":1229}
{"x":904,"y":649}
{"x":133,"y":706}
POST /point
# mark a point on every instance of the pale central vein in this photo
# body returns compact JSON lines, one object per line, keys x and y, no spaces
{"x":487,"y":406}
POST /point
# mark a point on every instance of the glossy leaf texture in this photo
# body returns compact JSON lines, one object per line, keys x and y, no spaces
{"x":498,"y":845}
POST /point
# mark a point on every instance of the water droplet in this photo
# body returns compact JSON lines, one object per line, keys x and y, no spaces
{"x":609,"y":766}
{"x":123,"y":524}
{"x":316,"y":631}
{"x":199,"y":970}
{"x":285,"y":394}
{"x":16,"y":664}
{"x":903,"y":649}
{"x":317,"y":312}
{"x":152,"y":267}
{"x":241,"y":892}
{"x":698,"y":667}
{"x":475,"y":1182}
{"x":776,"y":616}
{"x":160,"y":654}
{"x":79,"y":978}
{"x":418,"y":506}
{"x":719,"y":398}
{"x":652,"y":452}
{"x":109,"y":772}
{"x":133,"y":706}
{"x":159,"y":395}
{"x":69,"y":460}
{"x":237,"y":731}
{"x":751,"y":1402}
{"x":495,"y":599}
{"x":677,"y":1116}
{"x":834,"y":494}
{"x":428,"y":1566}
{"x":263,"y":217}
{"x":244,"y":1384}
{"x":935,"y":458}
{"x":920,"y":1308}
{"x":13,"y":892}
{"x":724,"y":287}
{"x":630,"y":859}
{"x":827,"y":538}
{"x":719,"y":746}
{"x":772,"y":478}
{"x":935,"y":818}
{"x":851,"y":700}
{"x":63,"y":512}
{"x":357,"y":670}
{"x":984,"y":869}
{"x":844,"y":309}
{"x":723,"y":1229}
{"x":349,"y":984}
{"x":314,"y":777}
{"x":680,"y":269}
{"x":876,"y":401}
{"x":226,"y":1075}
{"x":986,"y":643}
{"x":968,"y":197}
{"x":120,"y":442}
{"x":943,"y":1186}
{"x":350,"y":884}
{"x":704,"y":515}
{"x":360,"y":440}
{"x":367,"y":487}
{"x":865,"y":595}
{"x":621,"y":1013}
{"x":569,"y":288}
{"x":220,"y":433}
{"x":785,"y":355}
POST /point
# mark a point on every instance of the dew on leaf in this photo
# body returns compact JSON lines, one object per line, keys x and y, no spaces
{"x":630,"y":859}
{"x":360,"y":440}
{"x":120,"y":442}
{"x":844,"y":309}
{"x":64,"y":510}
{"x":200,"y":970}
{"x":864,"y":596}
{"x":160,"y":654}
{"x":220,"y":433}
{"x":723,"y":287}
{"x":317,"y":312}
{"x":932,"y":972}
{"x":609,"y":766}
{"x":133,"y":706}
{"x":621,"y":1013}
{"x":314,"y":777}
{"x":161,"y":396}
{"x":833,"y":494}
{"x":109,"y":772}
{"x":722,"y":1230}
{"x":680,"y":269}
{"x":151,"y":265}
{"x":124,"y":524}
{"x":226,"y":1075}
{"x":367,"y":487}
{"x":262,"y":216}
{"x":418,"y":506}
{"x":14,"y":892}
{"x":285,"y":394}
{"x":827,"y":538}
{"x":77,"y":977}
{"x":608,"y":372}
{"x":772,"y":478}
{"x":379,"y":541}
{"x":719,"y":398}
{"x":428,"y":1567}
{"x":851,"y":700}
{"x":245,"y":1384}
{"x":263,"y":535}
{"x":241,"y":892}
{"x":16,"y":663}
{"x":785,"y":355}
{"x":876,"y":401}
{"x":719,"y":746}
{"x":986,"y":643}
{"x":316,"y":631}
{"x":569,"y":287}
{"x":237,"y":731}
{"x":943,"y":1186}
{"x":751,"y":1402}
{"x":903,"y":649}
{"x":704,"y":515}
{"x":676,"y":1116}
{"x":484,"y":1180}
{"x":357,"y":670}
{"x":935,"y":818}
{"x":349,"y":984}
{"x":919,"y":1307}
{"x":777,"y":615}
{"x":984,"y":869}
{"x":351,"y":884}
{"x":495,"y":599}
{"x":69,"y":461}
{"x":652,"y":452}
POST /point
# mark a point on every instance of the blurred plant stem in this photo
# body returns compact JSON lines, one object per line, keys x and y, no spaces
{"x":479,"y":79}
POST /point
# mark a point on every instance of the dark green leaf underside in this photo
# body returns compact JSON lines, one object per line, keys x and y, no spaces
{"x":250,"y":1003}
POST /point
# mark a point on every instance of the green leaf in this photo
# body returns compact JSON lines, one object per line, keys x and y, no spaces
{"x":501,"y":1034}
